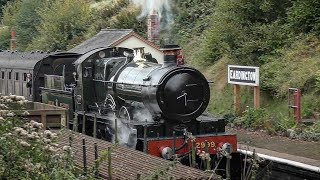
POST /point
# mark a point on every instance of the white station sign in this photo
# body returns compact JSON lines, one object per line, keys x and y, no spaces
{"x":243,"y":75}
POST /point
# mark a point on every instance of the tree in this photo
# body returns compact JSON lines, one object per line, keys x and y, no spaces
{"x":63,"y":24}
{"x":4,"y":38}
{"x":26,"y":22}
{"x":2,"y":4}
{"x":304,"y":16}
{"x":246,"y":30}
{"x":118,"y":14}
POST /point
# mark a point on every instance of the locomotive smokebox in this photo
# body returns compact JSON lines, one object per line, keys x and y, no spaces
{"x":171,"y":53}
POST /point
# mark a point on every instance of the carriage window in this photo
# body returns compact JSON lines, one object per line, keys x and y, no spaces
{"x":17,"y":76}
{"x":9,"y":75}
{"x":24,"y":76}
{"x":2,"y":74}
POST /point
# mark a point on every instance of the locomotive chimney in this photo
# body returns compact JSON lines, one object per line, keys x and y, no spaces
{"x":13,"y":45}
{"x":154,"y":27}
{"x":171,"y":54}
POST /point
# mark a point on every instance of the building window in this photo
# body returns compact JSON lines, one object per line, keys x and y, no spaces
{"x":2,"y":75}
{"x":9,"y":75}
{"x":17,"y":76}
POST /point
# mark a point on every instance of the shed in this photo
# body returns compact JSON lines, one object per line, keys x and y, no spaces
{"x":126,"y":38}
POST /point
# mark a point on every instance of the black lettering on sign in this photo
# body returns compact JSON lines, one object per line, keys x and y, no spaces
{"x":243,"y":75}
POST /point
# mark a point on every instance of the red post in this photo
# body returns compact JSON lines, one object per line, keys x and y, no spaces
{"x":297,"y":104}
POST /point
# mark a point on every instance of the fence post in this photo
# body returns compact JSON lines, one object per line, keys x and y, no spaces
{"x":174,"y":145}
{"x":84,"y":155}
{"x":95,"y":126}
{"x":75,"y":122}
{"x":145,"y":149}
{"x":193,"y":153}
{"x":84,"y":123}
{"x":96,"y":160}
{"x":207,"y":161}
{"x":116,"y":140}
{"x":109,"y":163}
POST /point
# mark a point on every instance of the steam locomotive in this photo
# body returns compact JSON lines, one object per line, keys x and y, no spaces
{"x":123,"y":95}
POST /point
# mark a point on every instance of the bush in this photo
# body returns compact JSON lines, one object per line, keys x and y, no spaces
{"x":28,"y":152}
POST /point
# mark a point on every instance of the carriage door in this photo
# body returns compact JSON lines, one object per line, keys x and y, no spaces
{"x":10,"y":82}
{"x":3,"y":83}
{"x":24,"y":85}
{"x":17,"y":83}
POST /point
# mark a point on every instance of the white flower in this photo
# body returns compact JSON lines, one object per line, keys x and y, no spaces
{"x":8,"y":134}
{"x":3,"y":106}
{"x":24,"y":144}
{"x":13,"y":97}
{"x":36,"y":124}
{"x":17,"y":130}
{"x":49,"y":134}
{"x":25,"y":113}
{"x":66,"y":148}
{"x":9,"y":101}
{"x":10,"y":114}
{"x":52,"y":149}
{"x":20,"y":102}
{"x":55,"y":145}
{"x":23,"y":133}
{"x":20,"y":98}
{"x":48,"y":141}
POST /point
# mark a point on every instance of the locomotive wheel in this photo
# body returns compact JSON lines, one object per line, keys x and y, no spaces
{"x":109,"y":102}
{"x":124,"y":115}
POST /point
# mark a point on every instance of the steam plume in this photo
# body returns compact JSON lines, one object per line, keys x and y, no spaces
{"x":163,"y":8}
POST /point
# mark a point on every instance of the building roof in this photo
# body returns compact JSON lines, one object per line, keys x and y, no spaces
{"x":26,"y":60}
{"x":137,"y":36}
{"x":105,"y":38}
{"x":126,"y":163}
{"x":109,"y":38}
{"x":12,"y":59}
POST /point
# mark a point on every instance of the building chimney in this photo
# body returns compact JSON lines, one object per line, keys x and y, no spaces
{"x":13,"y":44}
{"x":154,"y":27}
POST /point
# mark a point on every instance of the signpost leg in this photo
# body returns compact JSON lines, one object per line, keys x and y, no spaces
{"x":236,"y":98}
{"x":256,"y":97}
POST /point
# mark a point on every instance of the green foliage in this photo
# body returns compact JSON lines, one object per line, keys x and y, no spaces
{"x":285,"y":123}
{"x":304,"y":16}
{"x":193,"y":17}
{"x":310,"y":105}
{"x":2,"y":4}
{"x":63,"y":24}
{"x":311,"y":133}
{"x":296,"y":67}
{"x":26,"y":22}
{"x":116,"y":14}
{"x":4,"y":38}
{"x":10,"y":13}
{"x":251,"y":118}
{"x":246,"y":30}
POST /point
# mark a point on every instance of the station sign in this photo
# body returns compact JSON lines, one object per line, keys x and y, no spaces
{"x":243,"y":75}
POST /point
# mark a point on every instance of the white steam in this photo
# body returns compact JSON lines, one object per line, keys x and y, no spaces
{"x":127,"y":134}
{"x":163,"y":7}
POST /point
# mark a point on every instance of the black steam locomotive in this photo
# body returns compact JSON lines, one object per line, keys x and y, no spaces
{"x":122,"y":95}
